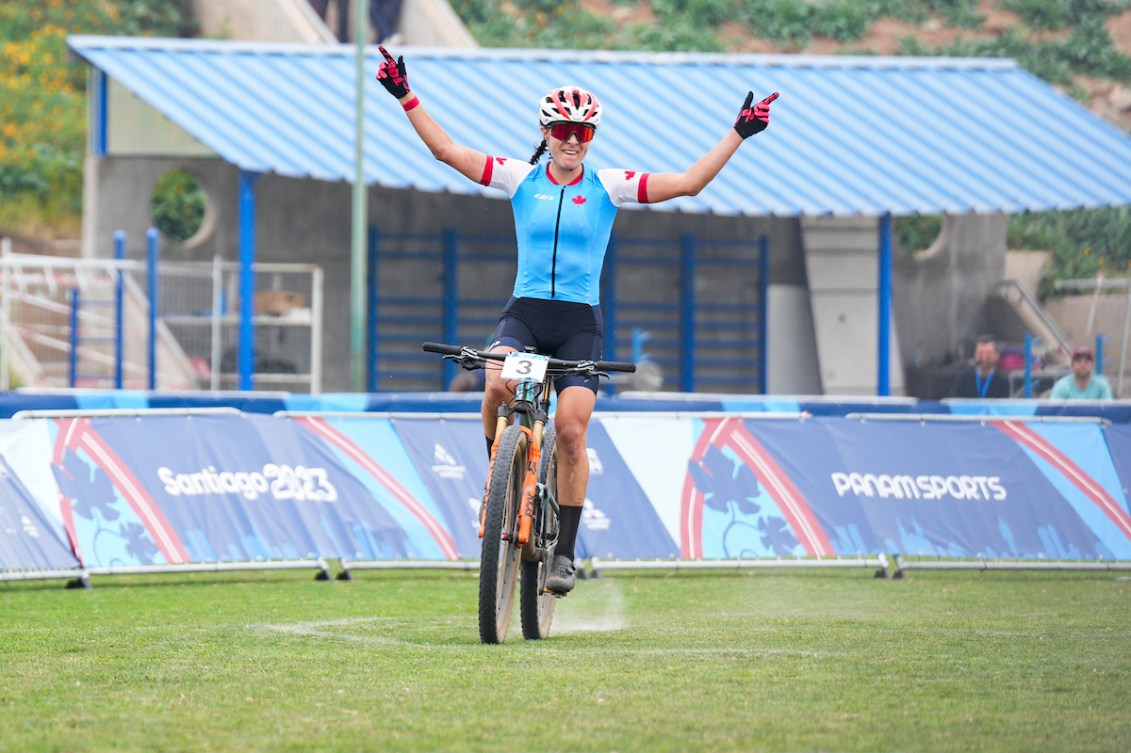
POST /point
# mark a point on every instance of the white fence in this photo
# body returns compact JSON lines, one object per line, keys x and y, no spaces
{"x":81,"y":323}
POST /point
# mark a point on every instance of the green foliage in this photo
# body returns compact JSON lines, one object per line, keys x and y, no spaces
{"x":962,"y":13}
{"x":1050,"y":15}
{"x":171,"y":18}
{"x":535,"y":23}
{"x":1088,"y":50}
{"x":783,"y":21}
{"x":678,"y":36}
{"x":702,"y":13}
{"x":917,"y":232}
{"x":843,"y":20}
{"x":1083,"y":242}
{"x":42,"y":92}
{"x":178,"y":205}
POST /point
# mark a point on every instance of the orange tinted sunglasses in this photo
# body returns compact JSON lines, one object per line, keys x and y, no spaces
{"x":583,"y":131}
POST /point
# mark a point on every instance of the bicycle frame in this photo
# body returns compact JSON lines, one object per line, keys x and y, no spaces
{"x":530,"y":409}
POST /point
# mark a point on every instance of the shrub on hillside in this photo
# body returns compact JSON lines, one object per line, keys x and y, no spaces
{"x":42,"y":91}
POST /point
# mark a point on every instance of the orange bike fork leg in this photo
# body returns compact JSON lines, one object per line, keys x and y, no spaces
{"x":499,"y":427}
{"x":529,"y":486}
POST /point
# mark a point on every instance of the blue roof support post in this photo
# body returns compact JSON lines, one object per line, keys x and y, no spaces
{"x":1030,"y":341}
{"x":687,"y":314}
{"x":451,"y":298}
{"x":763,"y":311}
{"x":247,"y":278}
{"x":372,"y":245}
{"x":1100,"y":353}
{"x":73,"y":355}
{"x":883,"y":340}
{"x":119,"y":308}
{"x":151,"y":248}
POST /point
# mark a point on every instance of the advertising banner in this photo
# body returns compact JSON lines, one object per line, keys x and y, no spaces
{"x":219,"y":488}
{"x":118,"y":491}
{"x":29,"y":540}
{"x":830,"y":486}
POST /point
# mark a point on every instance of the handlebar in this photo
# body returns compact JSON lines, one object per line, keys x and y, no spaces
{"x":555,"y":364}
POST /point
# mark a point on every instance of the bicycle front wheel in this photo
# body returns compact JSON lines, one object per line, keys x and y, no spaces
{"x":536,"y":606}
{"x":498,"y":562}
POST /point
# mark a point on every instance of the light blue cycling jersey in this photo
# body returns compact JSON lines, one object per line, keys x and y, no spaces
{"x":562,"y":230}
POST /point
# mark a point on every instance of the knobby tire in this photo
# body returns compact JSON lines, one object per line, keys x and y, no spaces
{"x":536,"y":607}
{"x":498,"y":563}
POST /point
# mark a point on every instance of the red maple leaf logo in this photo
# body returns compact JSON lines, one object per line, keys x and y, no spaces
{"x":579,"y":200}
{"x":501,"y":160}
{"x":629,"y":174}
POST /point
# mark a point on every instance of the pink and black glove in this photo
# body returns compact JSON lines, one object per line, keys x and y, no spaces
{"x":752,"y":120}
{"x":392,"y":75}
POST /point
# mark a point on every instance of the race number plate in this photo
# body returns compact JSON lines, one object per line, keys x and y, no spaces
{"x":525,"y":367}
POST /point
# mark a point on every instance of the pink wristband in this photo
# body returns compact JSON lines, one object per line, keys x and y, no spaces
{"x":411,"y":104}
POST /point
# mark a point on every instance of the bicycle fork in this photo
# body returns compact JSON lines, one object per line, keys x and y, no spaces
{"x":530,"y":480}
{"x":530,"y":484}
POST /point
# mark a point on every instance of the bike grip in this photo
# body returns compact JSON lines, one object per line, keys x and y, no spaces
{"x":628,"y":368}
{"x":447,"y":350}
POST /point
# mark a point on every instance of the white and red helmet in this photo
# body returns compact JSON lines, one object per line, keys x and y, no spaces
{"x":569,"y":104}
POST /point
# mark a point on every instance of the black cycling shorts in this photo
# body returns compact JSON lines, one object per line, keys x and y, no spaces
{"x":559,"y":329}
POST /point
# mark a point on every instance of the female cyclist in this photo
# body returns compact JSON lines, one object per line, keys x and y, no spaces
{"x":563,"y":217}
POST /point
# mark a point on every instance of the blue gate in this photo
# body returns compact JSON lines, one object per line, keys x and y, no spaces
{"x":695,"y":307}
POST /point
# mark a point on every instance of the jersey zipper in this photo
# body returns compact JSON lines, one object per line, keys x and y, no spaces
{"x":557,"y":227}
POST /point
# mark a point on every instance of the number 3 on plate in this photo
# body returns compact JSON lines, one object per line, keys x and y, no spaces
{"x":524,"y":367}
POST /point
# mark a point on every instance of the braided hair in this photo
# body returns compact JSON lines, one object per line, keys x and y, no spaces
{"x":538,"y":152}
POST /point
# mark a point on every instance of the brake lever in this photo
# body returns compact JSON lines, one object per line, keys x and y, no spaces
{"x":589,"y":369}
{"x":471,"y":360}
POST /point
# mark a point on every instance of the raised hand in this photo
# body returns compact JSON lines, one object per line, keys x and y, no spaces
{"x":752,"y":120}
{"x":392,"y":75}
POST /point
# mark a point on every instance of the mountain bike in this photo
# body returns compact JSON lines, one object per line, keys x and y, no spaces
{"x":518,"y":521}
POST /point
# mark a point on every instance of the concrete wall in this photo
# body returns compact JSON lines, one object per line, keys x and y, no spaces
{"x":842,"y":263}
{"x":940,"y":295}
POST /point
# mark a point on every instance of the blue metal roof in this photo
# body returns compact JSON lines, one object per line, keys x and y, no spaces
{"x":849,"y":135}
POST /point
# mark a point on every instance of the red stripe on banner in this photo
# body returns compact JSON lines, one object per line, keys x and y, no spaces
{"x":320,"y":427}
{"x":778,"y":485}
{"x":66,"y":509}
{"x":135,"y":494}
{"x":68,"y":514}
{"x":64,"y":438}
{"x":1074,"y":473}
{"x":691,"y":503}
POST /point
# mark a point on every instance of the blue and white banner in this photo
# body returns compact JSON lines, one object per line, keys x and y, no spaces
{"x":118,"y":491}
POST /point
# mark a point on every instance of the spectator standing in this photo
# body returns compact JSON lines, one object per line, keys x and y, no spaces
{"x":1083,"y":383}
{"x":983,"y":381}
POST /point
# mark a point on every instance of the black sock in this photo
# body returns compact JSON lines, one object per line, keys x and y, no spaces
{"x":569,"y":518}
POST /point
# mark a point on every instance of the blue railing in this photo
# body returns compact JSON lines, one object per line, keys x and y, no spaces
{"x":701,"y":303}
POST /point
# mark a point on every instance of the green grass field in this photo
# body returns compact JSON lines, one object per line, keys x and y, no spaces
{"x":829,"y":660}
